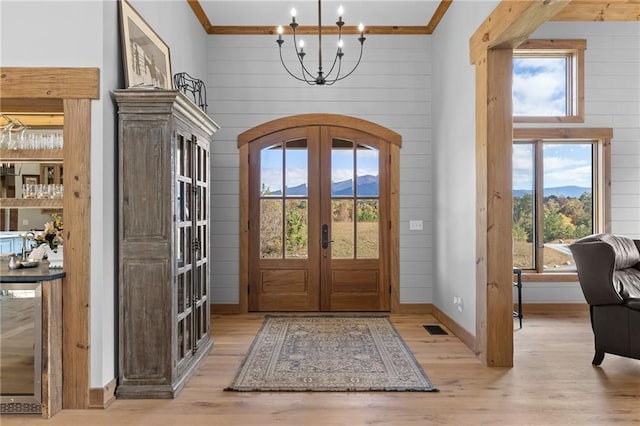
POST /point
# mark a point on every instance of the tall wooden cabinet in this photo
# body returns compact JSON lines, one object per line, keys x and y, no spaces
{"x":164,"y":297}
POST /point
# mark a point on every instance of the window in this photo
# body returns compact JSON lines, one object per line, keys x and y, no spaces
{"x":548,"y":81}
{"x":560,"y":193}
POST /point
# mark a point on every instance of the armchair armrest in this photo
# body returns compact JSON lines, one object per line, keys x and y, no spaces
{"x":595,"y":262}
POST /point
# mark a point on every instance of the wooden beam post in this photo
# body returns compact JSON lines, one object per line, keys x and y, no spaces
{"x":77,"y":265}
{"x":494,"y":128}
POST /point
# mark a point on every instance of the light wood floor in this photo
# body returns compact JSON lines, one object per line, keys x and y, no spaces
{"x":553,"y":382}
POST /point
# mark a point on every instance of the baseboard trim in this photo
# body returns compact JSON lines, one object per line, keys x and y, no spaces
{"x":551,"y":308}
{"x":405,"y":308}
{"x":225,"y":308}
{"x":462,"y":334}
{"x":104,"y":396}
{"x":416,"y":308}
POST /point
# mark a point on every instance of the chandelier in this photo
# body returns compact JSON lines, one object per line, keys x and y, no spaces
{"x":321,"y":77}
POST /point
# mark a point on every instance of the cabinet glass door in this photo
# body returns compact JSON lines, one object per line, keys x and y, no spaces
{"x":192,"y":230}
{"x":184,"y":247}
{"x":200,"y":254}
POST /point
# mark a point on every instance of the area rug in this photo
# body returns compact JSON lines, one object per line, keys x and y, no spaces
{"x":329,"y":354}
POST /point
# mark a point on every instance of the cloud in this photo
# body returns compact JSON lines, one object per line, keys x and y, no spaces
{"x":539,"y":86}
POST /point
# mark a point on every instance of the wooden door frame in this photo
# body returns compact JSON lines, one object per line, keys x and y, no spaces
{"x":68,"y":91}
{"x":392,"y":138}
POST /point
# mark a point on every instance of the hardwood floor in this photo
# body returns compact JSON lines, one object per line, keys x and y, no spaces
{"x":553,"y":382}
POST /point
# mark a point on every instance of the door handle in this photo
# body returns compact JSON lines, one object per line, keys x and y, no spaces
{"x":325,"y":236}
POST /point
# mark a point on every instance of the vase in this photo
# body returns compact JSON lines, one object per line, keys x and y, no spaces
{"x":55,"y":257}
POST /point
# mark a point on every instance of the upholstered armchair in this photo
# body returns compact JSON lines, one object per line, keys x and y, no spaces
{"x":609,"y":274}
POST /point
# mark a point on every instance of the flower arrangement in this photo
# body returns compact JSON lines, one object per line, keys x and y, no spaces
{"x":52,"y":234}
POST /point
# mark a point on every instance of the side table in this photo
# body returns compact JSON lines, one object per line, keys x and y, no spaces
{"x":518,"y":285}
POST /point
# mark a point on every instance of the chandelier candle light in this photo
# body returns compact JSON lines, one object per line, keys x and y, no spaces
{"x":321,"y":78}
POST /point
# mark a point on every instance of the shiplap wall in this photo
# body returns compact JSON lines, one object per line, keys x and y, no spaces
{"x":612,"y":99}
{"x":247,"y":86}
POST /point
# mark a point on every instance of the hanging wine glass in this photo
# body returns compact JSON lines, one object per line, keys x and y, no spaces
{"x":17,"y":134}
{"x":5,"y":132}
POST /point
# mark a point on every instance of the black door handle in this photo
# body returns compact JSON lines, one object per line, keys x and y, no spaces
{"x":325,"y":236}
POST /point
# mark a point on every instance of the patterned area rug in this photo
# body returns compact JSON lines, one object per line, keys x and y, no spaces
{"x":330,"y":354}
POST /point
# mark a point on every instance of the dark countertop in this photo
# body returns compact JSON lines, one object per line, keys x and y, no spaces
{"x":29,"y":275}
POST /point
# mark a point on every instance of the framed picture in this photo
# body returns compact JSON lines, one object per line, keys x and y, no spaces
{"x":146,"y":57}
{"x":30,"y":179}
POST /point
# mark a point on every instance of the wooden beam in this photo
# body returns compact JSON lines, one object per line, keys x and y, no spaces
{"x":49,"y":83}
{"x":438,"y":15}
{"x":313,"y":29}
{"x":494,"y":290}
{"x":510,"y":24}
{"x":201,"y":15}
{"x":589,"y":10}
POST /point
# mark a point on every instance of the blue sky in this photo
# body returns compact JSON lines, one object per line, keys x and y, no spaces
{"x":564,"y":164}
{"x":296,"y":160}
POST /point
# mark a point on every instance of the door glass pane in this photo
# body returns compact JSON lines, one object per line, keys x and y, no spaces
{"x":271,"y":171}
{"x":296,"y":229}
{"x":20,"y":324}
{"x":567,"y":177}
{"x":367,"y":229}
{"x":271,"y":229}
{"x":342,"y":246}
{"x":297,"y":169}
{"x":342,"y":168}
{"x":367,"y":171}
{"x":523,"y":206}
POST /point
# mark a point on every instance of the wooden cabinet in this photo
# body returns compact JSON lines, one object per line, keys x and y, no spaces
{"x":164,"y":298}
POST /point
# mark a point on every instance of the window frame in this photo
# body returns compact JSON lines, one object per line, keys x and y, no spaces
{"x":573,"y":50}
{"x":601,"y":196}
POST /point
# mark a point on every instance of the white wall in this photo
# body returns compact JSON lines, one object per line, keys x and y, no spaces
{"x":178,"y":27}
{"x":247,"y":86}
{"x":85,"y":34}
{"x":612,"y":99}
{"x":454,"y":161}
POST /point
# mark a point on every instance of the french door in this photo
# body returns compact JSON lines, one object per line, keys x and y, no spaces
{"x":318,"y":221}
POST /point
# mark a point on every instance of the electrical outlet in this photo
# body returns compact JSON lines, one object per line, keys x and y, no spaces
{"x":416,"y":225}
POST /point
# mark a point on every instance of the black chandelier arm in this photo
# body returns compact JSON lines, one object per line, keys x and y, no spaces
{"x":287,"y":69}
{"x":338,"y":56}
{"x":300,"y":57}
{"x":354,"y":67}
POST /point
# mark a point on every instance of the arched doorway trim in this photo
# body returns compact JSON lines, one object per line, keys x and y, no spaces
{"x":305,"y":120}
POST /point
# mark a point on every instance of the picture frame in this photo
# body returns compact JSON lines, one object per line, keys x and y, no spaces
{"x":146,"y":57}
{"x":30,"y":179}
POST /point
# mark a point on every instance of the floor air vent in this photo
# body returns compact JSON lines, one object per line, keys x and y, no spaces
{"x":434,"y":329}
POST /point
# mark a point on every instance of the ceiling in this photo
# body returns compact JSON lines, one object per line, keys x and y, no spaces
{"x":379,"y":16}
{"x":263,"y":16}
{"x":273,"y":13}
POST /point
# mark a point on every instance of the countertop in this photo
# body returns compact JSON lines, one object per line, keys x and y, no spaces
{"x":29,"y":275}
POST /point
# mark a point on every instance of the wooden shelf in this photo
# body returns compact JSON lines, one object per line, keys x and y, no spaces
{"x":43,"y":203}
{"x":31,"y":155}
